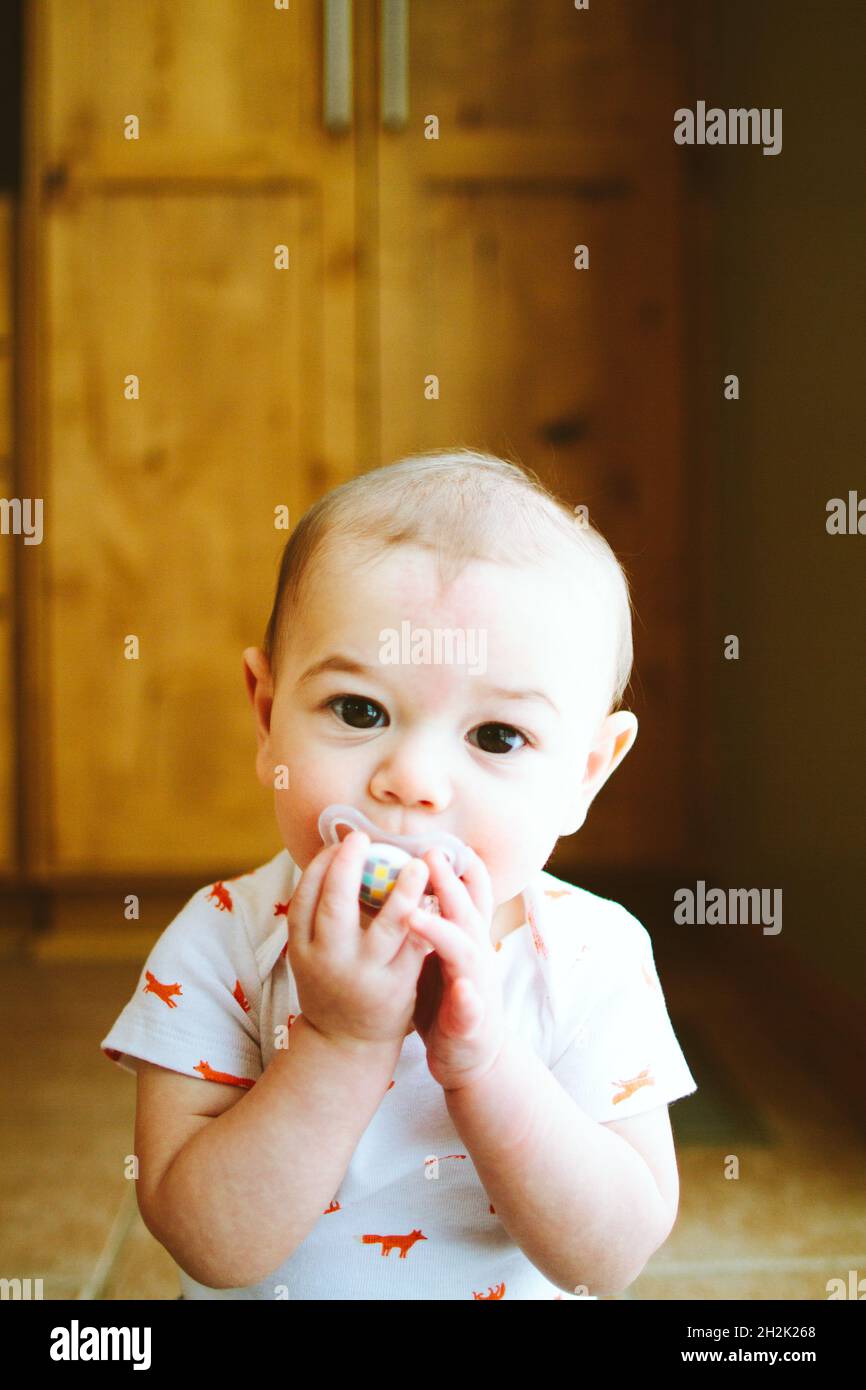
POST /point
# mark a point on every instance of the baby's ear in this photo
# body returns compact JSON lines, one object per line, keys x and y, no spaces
{"x":260,"y":689}
{"x":257,"y":672}
{"x":614,"y":739}
{"x":615,"y":736}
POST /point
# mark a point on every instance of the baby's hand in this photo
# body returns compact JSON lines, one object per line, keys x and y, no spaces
{"x":355,"y":983}
{"x":459,"y":1014}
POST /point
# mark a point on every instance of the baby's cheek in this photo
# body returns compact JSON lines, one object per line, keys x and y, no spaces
{"x":297,"y":817}
{"x":507,"y":866}
{"x":513,"y":859}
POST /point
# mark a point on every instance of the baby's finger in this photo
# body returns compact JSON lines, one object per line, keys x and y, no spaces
{"x":455,"y":902}
{"x":456,"y":950}
{"x":302,"y":908}
{"x":476,"y":877}
{"x":450,"y":892}
{"x":408,"y":962}
{"x":385,"y":934}
{"x":338,"y":900}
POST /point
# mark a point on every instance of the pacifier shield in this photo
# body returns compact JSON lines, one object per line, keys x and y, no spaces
{"x":415,"y":846}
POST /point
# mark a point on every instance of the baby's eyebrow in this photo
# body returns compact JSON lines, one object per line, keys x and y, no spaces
{"x":348,"y":666}
{"x":502,"y":694}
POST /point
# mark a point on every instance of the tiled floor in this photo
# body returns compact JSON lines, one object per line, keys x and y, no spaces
{"x":793,"y":1218}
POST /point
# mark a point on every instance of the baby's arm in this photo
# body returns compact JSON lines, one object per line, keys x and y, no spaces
{"x":231,"y":1185}
{"x":581,"y":1201}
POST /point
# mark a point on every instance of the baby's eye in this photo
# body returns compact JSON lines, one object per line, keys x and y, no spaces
{"x":491,"y":737}
{"x":357,"y":711}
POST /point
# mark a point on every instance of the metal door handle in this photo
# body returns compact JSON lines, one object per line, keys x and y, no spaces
{"x":394,"y":16}
{"x":337,"y":76}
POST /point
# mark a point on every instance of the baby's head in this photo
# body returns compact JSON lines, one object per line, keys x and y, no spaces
{"x":447,"y":650}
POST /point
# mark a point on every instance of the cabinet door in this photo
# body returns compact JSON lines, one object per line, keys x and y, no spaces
{"x":156,"y":261}
{"x":554,"y":130}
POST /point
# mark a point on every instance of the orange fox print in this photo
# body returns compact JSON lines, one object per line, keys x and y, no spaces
{"x":389,"y":1243}
{"x":282,"y":909}
{"x":238,"y":993}
{"x":163,"y":992}
{"x":222,"y":898}
{"x":537,"y":939}
{"x":643,"y":1078}
{"x":441,"y":1158}
{"x":498,"y":1292}
{"x":225,"y":1077}
{"x":334,"y":1206}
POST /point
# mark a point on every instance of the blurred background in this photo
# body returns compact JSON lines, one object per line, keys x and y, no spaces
{"x":256,"y":127}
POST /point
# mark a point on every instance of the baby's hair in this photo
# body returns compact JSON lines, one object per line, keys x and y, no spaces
{"x":462,"y":505}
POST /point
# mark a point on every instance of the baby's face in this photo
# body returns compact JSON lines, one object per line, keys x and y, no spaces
{"x":493,"y":750}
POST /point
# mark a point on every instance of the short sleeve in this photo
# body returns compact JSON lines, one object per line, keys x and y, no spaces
{"x":196,"y":1005}
{"x":621,"y":1055}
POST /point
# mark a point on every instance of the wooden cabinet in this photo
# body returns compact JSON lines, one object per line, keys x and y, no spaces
{"x":154,"y":258}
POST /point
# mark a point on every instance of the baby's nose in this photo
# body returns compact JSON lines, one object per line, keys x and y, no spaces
{"x":415,"y":783}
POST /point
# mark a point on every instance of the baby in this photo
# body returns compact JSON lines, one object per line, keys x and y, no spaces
{"x":411,"y":1103}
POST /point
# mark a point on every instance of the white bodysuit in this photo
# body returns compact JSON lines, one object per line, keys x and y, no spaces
{"x":410,"y":1219}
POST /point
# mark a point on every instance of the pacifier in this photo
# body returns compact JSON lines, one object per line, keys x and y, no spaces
{"x":387,"y":854}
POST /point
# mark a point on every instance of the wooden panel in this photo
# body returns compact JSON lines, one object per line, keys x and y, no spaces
{"x":155,"y":257}
{"x":556,"y":130}
{"x":7,"y":542}
{"x":538,"y":69}
{"x":164,"y":512}
{"x":229,"y":101}
{"x":208,"y":72}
